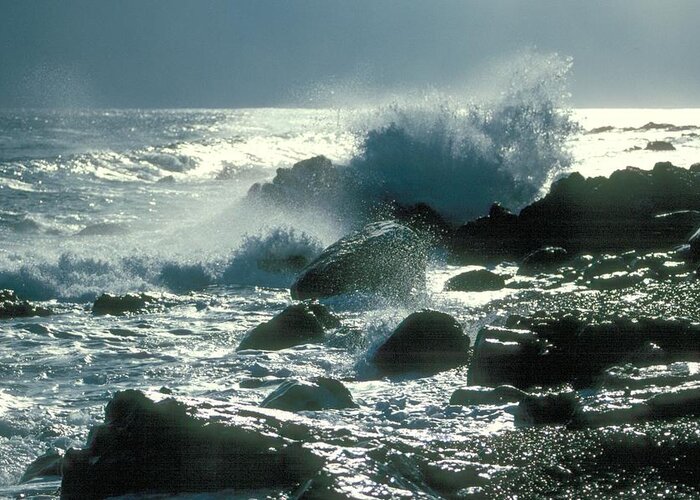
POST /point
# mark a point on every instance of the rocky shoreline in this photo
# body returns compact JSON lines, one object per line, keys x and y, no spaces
{"x":595,"y":392}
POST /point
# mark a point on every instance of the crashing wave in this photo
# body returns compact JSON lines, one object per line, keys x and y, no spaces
{"x":271,"y":259}
{"x":457,"y":157}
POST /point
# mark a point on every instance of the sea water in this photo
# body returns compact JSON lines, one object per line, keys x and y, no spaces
{"x":95,"y":201}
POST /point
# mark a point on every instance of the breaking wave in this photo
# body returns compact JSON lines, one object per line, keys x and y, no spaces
{"x":456,"y":155}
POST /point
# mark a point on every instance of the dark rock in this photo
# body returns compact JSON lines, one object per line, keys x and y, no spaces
{"x":545,"y":259}
{"x":616,"y":281}
{"x":633,"y":208}
{"x":475,"y":281}
{"x":426,"y":341}
{"x":317,"y":394}
{"x":168,"y":179}
{"x":599,"y":130}
{"x":324,"y":316}
{"x":122,"y":304}
{"x":548,"y":352}
{"x":424,"y":220}
{"x":12,"y":307}
{"x":500,"y":395}
{"x":295,"y":325}
{"x":384,"y":257}
{"x":660,"y":146}
{"x":149,"y":447}
{"x":506,"y":356}
{"x":48,"y":464}
{"x":681,"y":402}
{"x":557,"y":408}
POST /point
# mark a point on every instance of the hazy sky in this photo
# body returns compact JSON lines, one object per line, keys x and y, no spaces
{"x":228,"y":53}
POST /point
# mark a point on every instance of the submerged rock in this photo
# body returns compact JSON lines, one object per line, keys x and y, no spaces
{"x":320,"y":393}
{"x":149,"y":447}
{"x":122,"y":304}
{"x":384,"y":257}
{"x":426,"y":341}
{"x":475,"y":281}
{"x":502,"y":394}
{"x":297,"y":324}
{"x":12,"y":307}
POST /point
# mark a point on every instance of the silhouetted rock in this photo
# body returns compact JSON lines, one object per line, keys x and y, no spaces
{"x":558,"y":408}
{"x":297,"y":324}
{"x":545,"y":351}
{"x":545,"y":259}
{"x":660,"y":146}
{"x":426,"y":341}
{"x":317,"y":394}
{"x":149,"y":447}
{"x":502,"y":394}
{"x":12,"y":307}
{"x":384,"y":257}
{"x":424,"y":220}
{"x":633,"y":208}
{"x":475,"y":281}
{"x":122,"y":304}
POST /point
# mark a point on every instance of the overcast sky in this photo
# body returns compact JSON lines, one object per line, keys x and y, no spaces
{"x":231,"y":53}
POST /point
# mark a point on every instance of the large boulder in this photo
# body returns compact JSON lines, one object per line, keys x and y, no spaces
{"x":384,"y":257}
{"x":426,"y":341}
{"x":12,"y":307}
{"x":297,"y":324}
{"x":320,"y":393}
{"x":479,"y":280}
{"x":160,"y":447}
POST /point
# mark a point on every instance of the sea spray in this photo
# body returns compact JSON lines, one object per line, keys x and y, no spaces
{"x":454,"y":154}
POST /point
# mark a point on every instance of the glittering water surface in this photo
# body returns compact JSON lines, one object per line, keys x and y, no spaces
{"x":95,"y":201}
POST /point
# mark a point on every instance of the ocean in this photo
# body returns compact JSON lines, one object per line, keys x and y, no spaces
{"x":119,"y":201}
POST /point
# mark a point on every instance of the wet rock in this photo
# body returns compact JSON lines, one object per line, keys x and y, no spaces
{"x":475,"y":281}
{"x":317,"y":394}
{"x":424,"y":220}
{"x":632,"y":208}
{"x":324,"y":316}
{"x":48,"y":464}
{"x":676,"y":403}
{"x":660,"y":146}
{"x":556,"y":408}
{"x":503,"y":394}
{"x":545,"y":259}
{"x":547,"y":351}
{"x":296,"y":325}
{"x":616,"y":281}
{"x":159,"y":447}
{"x":384,"y":257}
{"x":426,"y":341}
{"x":629,"y":376}
{"x":123,"y":304}
{"x":12,"y":307}
{"x":506,"y":356}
